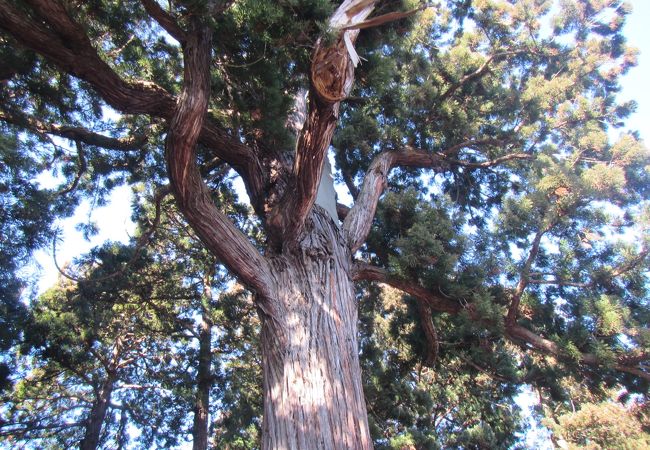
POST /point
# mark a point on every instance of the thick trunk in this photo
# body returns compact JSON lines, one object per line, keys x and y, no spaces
{"x":97,"y":415}
{"x":313,"y":397}
{"x":204,"y":383}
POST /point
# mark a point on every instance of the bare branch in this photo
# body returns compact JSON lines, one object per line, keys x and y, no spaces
{"x":140,"y":244}
{"x":349,"y":182}
{"x":332,"y":76}
{"x":74,"y":133}
{"x":82,"y":166}
{"x":165,"y":20}
{"x":368,"y":272}
{"x":490,"y":163}
{"x":482,"y":70}
{"x":214,"y":229}
{"x":524,"y":277}
{"x":358,"y":222}
{"x":66,"y":45}
{"x":472,"y":143}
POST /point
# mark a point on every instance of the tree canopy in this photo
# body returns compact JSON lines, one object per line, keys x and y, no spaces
{"x":492,"y":228}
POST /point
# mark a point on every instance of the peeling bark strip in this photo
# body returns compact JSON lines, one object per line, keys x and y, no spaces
{"x":332,"y":76}
{"x":313,"y":397}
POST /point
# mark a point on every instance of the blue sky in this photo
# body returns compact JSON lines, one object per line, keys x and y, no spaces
{"x":116,"y":216}
{"x":636,"y":83}
{"x":636,"y":86}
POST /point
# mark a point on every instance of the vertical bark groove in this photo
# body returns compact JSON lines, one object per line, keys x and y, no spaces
{"x":193,"y":197}
{"x":312,"y":378}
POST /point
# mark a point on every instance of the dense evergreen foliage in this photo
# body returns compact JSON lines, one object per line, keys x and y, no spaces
{"x":494,"y":215}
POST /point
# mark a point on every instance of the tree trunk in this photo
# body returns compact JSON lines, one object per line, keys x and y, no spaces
{"x":313,"y":397}
{"x":97,"y":415}
{"x":204,"y":383}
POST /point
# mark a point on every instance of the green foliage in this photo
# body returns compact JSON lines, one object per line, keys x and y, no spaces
{"x":606,"y":425}
{"x":454,"y":404}
{"x":564,"y":226}
{"x":26,"y":214}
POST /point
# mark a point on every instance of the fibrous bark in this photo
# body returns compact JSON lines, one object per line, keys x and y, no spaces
{"x":313,"y":398}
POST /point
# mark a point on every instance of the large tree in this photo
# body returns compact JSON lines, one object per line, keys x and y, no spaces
{"x":478,"y":144}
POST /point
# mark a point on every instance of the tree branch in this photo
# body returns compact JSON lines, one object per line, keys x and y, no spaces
{"x":625,"y":362}
{"x":165,"y":20}
{"x":332,"y":76}
{"x":349,"y":182}
{"x":482,"y":70}
{"x":491,"y":162}
{"x":357,"y":223}
{"x":67,"y":46}
{"x":524,"y":277}
{"x":362,"y":271}
{"x":73,"y":133}
{"x":472,"y":143}
{"x":82,"y":166}
{"x":214,"y":229}
{"x":614,"y":273}
{"x":429,"y":329}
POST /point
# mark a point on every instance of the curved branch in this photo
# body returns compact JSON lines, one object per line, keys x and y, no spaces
{"x":625,"y":362}
{"x":357,"y":223}
{"x":368,"y":272}
{"x":482,"y":70}
{"x":66,"y":45}
{"x":213,"y":227}
{"x":524,"y":277}
{"x":140,"y":244}
{"x":74,"y":133}
{"x":82,"y":166}
{"x":332,"y":76}
{"x":165,"y":20}
{"x":359,"y":219}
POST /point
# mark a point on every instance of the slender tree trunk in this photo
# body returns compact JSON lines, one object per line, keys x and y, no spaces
{"x":97,"y":415}
{"x":204,"y":383}
{"x":313,"y":397}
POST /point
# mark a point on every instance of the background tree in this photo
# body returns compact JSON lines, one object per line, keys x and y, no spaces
{"x":602,"y":425}
{"x":84,"y":343}
{"x":152,"y":314}
{"x":510,"y":219}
